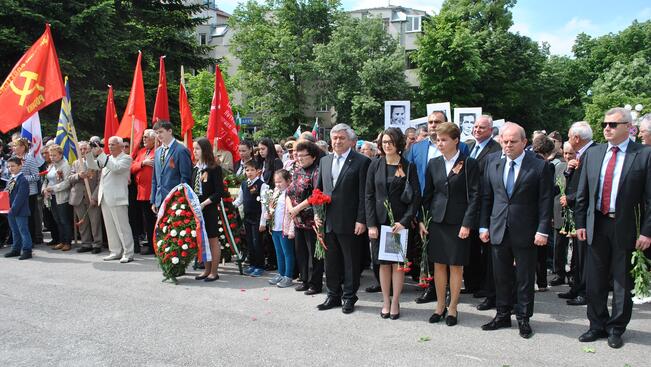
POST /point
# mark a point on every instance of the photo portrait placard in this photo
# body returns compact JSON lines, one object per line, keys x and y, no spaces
{"x":392,"y":246}
{"x":397,"y":114}
{"x":465,"y":118}
{"x":442,"y":106}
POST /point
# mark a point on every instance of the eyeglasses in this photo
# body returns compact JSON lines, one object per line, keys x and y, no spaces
{"x":612,"y":124}
{"x":387,"y":142}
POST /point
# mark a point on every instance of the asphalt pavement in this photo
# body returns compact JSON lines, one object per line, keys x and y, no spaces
{"x":70,"y":309}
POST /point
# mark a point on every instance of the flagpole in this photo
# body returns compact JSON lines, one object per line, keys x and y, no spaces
{"x":185,"y":135}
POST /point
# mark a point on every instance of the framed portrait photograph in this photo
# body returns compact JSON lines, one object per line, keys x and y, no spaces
{"x":397,"y":114}
{"x":392,"y":246}
{"x":465,"y":118}
{"x":497,"y":125}
{"x":442,"y":107}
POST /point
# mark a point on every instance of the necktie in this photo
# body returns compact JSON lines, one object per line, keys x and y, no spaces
{"x":337,"y":170}
{"x":608,"y":181}
{"x":475,"y":152}
{"x":162,"y":156}
{"x":510,"y":180}
{"x":197,"y":182}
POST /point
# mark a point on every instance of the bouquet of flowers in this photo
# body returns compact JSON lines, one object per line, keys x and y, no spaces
{"x":269,"y":201}
{"x":406,"y":266}
{"x":569,"y":227}
{"x":179,"y":232}
{"x":318,"y":200}
{"x":425,"y":275}
{"x":640,"y":269}
{"x":232,"y":180}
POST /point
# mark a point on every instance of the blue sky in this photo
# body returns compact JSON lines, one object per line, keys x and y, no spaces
{"x":554,"y":21}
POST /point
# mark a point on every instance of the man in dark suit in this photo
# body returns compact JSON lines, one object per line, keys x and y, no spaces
{"x":615,"y":183}
{"x":515,"y":218}
{"x":172,"y":164}
{"x":342,"y":175}
{"x":580,"y":138}
{"x":476,"y":269}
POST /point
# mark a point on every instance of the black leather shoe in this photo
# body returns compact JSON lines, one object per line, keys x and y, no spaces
{"x":557,"y":280}
{"x":12,"y":253}
{"x":96,"y":250}
{"x":525,"y":329}
{"x":384,"y":315}
{"x":592,"y":335}
{"x":497,"y":323}
{"x":452,"y":320}
{"x":615,"y":341}
{"x":487,"y":304}
{"x":373,"y":289}
{"x":436,"y":317}
{"x":567,"y":295}
{"x":329,"y":303}
{"x":394,"y":316}
{"x":25,"y":255}
{"x":349,"y":306}
{"x":211,"y":279}
{"x":200,"y":277}
{"x":84,"y":249}
{"x":578,"y":301}
{"x":312,"y":291}
{"x":302,"y":288}
{"x":428,"y":296}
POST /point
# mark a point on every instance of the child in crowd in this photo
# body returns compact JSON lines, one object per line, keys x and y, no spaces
{"x":252,"y":191}
{"x":282,"y":229}
{"x":19,"y":213}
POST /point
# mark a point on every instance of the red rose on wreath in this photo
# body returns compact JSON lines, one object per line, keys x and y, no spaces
{"x":184,"y":254}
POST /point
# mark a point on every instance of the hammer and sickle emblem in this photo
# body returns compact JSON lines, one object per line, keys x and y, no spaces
{"x":26,"y":91}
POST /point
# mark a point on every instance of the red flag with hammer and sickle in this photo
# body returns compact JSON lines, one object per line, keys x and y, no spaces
{"x":33,"y":83}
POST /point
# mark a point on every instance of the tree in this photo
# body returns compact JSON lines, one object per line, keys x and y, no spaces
{"x":275,"y":43}
{"x":361,"y":67}
{"x":97,"y":42}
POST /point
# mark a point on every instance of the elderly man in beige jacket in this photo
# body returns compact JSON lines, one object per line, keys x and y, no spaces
{"x":114,"y":201}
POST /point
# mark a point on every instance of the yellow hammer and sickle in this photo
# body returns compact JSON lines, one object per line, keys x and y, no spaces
{"x":26,"y":91}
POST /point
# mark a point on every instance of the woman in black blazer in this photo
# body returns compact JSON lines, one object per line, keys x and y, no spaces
{"x":452,"y":198}
{"x":386,"y":179}
{"x":208,"y":183}
{"x":269,"y":161}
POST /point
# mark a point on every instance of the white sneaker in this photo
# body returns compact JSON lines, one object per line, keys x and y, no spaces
{"x":112,"y":257}
{"x":276,"y":279}
{"x":286,"y":282}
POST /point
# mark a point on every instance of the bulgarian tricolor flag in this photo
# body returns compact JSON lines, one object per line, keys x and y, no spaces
{"x":315,"y":129}
{"x":297,"y":133}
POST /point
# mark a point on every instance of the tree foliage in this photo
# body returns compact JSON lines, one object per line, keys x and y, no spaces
{"x":97,"y":42}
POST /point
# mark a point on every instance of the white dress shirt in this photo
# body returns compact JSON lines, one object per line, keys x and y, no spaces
{"x":507,"y":167}
{"x":338,"y":163}
{"x":481,"y":146}
{"x":619,"y":163}
{"x":449,"y":164}
{"x":432,"y":151}
{"x":583,"y":149}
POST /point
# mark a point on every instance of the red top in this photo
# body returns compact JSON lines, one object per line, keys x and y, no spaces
{"x":143,"y":173}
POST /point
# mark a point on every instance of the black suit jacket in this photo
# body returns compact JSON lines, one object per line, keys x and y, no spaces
{"x":491,"y":147}
{"x":376,"y":194}
{"x":529,"y":209}
{"x":447,"y":197}
{"x":213,"y":187}
{"x":348,"y":199}
{"x":634,"y":191}
{"x":573,"y":177}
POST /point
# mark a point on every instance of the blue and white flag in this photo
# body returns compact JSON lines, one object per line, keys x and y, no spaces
{"x":31,"y":130}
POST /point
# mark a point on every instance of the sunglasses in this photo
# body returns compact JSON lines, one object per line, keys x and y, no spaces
{"x":612,"y":124}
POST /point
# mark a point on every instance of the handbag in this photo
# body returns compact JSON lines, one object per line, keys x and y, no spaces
{"x":408,"y":193}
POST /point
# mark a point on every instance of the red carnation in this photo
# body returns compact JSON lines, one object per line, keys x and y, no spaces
{"x":193,"y":245}
{"x":184,"y":253}
{"x":181,"y":200}
{"x":228,"y":200}
{"x":233,"y":225}
{"x":186,"y":221}
{"x":173,"y":253}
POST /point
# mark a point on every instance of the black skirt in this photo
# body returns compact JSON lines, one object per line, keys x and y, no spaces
{"x":211,"y":220}
{"x":445,"y":246}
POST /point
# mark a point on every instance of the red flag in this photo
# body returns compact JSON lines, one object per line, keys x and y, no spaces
{"x":187,"y":122}
{"x":134,"y":120}
{"x":161,"y":110}
{"x":111,"y":123}
{"x":32,"y":84}
{"x":221,"y":124}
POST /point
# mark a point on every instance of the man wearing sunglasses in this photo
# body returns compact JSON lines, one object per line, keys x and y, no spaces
{"x":615,"y":181}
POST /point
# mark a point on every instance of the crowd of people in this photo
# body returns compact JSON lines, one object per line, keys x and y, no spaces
{"x":494,"y":213}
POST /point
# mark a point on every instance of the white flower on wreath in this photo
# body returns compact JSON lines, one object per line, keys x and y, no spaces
{"x":175,"y":260}
{"x":221,"y":229}
{"x":169,"y":220}
{"x":174,"y":207}
{"x":257,"y":198}
{"x":183,"y":206}
{"x":185,"y":246}
{"x":182,"y":234}
{"x":228,"y":245}
{"x":159,"y":243}
{"x":178,"y":212}
{"x":174,"y":233}
{"x":193,"y":233}
{"x":167,"y":249}
{"x":165,"y":229}
{"x":222,"y":237}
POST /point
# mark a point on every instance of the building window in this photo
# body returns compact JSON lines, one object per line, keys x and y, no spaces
{"x":322,"y":105}
{"x":413,"y":23}
{"x":202,"y":39}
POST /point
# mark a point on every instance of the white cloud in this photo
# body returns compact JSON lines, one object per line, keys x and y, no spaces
{"x":562,"y":39}
{"x":431,"y":7}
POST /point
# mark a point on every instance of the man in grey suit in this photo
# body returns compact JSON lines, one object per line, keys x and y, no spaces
{"x":615,"y":183}
{"x":86,"y":208}
{"x":515,"y":218}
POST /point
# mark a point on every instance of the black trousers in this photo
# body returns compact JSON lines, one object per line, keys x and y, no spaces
{"x":36,"y":228}
{"x":504,"y":255}
{"x":488,"y":277}
{"x":605,"y":257}
{"x":310,"y":269}
{"x":560,"y":253}
{"x":579,"y":254}
{"x":149,"y":220}
{"x":342,"y":265}
{"x":473,"y":272}
{"x":541,"y":266}
{"x":254,"y":241}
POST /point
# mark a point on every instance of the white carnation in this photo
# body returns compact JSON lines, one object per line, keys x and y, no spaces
{"x":221,"y":229}
{"x":175,"y":260}
{"x":167,"y":249}
{"x":178,"y":212}
{"x":174,"y":207}
{"x":222,"y":237}
{"x":159,"y":243}
{"x":173,"y":233}
{"x":185,"y":247}
{"x":193,"y":233}
{"x":183,"y":206}
{"x":165,"y":229}
{"x":182,"y":234}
